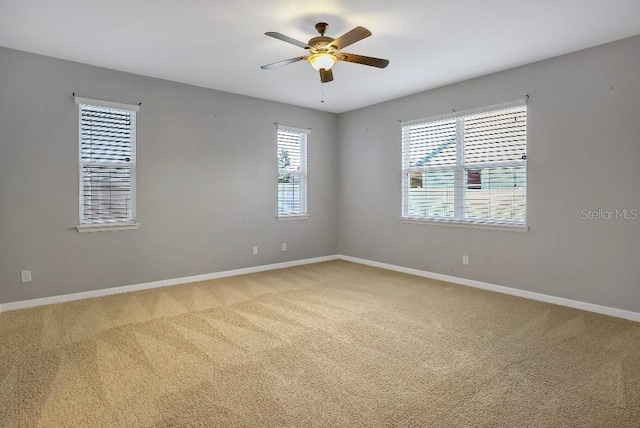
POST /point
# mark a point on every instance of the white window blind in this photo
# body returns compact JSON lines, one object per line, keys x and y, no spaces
{"x":467,"y":167}
{"x":107,"y":159}
{"x":292,"y":171}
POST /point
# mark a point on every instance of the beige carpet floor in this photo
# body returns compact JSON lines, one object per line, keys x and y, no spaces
{"x":332,"y":344}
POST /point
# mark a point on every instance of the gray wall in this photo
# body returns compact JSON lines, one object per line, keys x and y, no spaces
{"x":206,"y":181}
{"x":583,"y":151}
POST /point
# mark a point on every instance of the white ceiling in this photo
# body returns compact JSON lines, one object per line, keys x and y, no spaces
{"x":221,"y":44}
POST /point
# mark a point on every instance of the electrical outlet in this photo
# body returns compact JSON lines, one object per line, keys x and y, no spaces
{"x":284,"y":246}
{"x":255,"y":251}
{"x":465,"y":260}
{"x":25,"y":276}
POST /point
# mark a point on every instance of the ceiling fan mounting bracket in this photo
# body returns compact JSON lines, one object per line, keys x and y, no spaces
{"x":321,"y":27}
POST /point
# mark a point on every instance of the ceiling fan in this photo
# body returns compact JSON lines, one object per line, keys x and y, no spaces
{"x":325,"y":51}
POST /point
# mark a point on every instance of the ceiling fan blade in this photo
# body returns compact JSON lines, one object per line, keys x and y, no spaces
{"x":283,"y":62}
{"x":365,"y":60}
{"x":287,"y":39}
{"x":351,"y":37}
{"x":326,"y":76}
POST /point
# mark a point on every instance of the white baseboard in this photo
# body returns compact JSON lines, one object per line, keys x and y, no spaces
{"x":590,"y":307}
{"x":155,"y":284}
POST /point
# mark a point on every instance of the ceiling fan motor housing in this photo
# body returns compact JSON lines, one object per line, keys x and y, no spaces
{"x":321,"y":44}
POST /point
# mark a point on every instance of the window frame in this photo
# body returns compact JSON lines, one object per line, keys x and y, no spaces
{"x":131,"y":222}
{"x":459,"y":218}
{"x":303,"y":173}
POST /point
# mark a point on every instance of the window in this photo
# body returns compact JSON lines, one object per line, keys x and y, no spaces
{"x":292,"y":172}
{"x":467,"y":168}
{"x":107,"y":159}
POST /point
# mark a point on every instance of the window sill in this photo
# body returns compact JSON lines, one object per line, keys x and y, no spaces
{"x":107,"y":227}
{"x":468,"y":224}
{"x":293,"y":217}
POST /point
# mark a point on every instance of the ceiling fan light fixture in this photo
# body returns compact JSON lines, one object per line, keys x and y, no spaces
{"x":322,"y":60}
